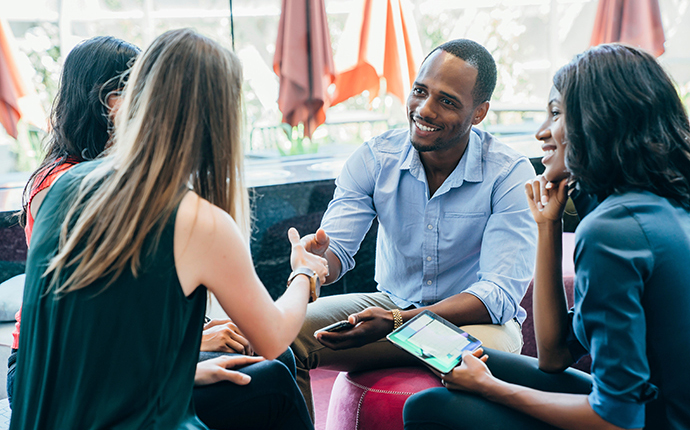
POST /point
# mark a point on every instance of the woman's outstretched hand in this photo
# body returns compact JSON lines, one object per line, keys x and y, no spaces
{"x":300,"y":257}
{"x":546,"y":199}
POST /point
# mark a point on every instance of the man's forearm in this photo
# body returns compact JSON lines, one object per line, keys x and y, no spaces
{"x":460,"y":309}
{"x":334,"y":267}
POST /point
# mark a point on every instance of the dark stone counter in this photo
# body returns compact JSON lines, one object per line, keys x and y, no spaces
{"x":276,"y":208}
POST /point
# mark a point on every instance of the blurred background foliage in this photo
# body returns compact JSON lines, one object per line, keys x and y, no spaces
{"x":529,"y":40}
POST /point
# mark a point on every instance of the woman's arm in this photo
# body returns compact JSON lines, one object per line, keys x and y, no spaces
{"x":566,"y":411}
{"x":210,"y":251}
{"x":550,"y":307}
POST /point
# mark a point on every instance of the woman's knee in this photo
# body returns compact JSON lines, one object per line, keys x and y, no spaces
{"x":429,"y":409}
{"x":271,"y":371}
{"x":415,"y":406}
{"x":440,"y":408}
{"x":288,"y":359}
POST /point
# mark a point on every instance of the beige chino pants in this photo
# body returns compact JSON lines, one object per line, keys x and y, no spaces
{"x":310,"y":354}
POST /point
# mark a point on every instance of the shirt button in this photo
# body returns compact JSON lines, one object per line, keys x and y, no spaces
{"x":428,"y":258}
{"x":428,"y":282}
{"x":430,"y":227}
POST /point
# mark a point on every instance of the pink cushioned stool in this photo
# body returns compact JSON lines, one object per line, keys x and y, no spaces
{"x":374,"y":400}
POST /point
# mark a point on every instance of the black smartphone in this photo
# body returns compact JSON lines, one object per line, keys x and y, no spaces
{"x":336,"y":327}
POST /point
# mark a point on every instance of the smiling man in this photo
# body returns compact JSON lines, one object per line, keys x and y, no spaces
{"x":455,"y":232}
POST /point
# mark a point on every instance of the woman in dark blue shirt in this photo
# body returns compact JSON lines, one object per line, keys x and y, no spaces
{"x":618,"y":129}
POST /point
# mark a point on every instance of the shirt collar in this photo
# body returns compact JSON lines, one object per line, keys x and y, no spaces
{"x":468,"y":169}
{"x":473,"y":168}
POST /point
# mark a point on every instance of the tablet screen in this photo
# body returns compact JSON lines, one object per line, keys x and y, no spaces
{"x":434,"y":340}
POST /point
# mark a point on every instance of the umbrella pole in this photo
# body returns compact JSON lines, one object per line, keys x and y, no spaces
{"x":307,"y":126}
{"x":232,"y":28}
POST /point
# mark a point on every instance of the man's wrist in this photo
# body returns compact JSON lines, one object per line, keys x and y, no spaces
{"x":397,"y":318}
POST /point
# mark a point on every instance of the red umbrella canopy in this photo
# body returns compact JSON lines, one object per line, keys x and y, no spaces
{"x":633,"y":22}
{"x":304,"y":63}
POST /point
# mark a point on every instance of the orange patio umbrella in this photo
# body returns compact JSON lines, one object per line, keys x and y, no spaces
{"x":380,"y":40}
{"x":11,"y":85}
{"x":18,"y":98}
{"x":304,"y":63}
{"x":633,"y":22}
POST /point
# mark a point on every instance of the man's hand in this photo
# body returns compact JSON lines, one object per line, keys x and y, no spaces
{"x":300,"y":256}
{"x":316,"y":243}
{"x":224,"y":336}
{"x":370,"y":325}
{"x":218,"y":369}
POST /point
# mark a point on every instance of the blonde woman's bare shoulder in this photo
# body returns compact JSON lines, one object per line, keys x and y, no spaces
{"x":203,"y":232}
{"x":200,"y":217}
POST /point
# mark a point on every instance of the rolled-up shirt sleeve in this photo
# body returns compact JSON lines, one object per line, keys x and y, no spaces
{"x":613,"y":259}
{"x":508,"y":248}
{"x":351,"y":212}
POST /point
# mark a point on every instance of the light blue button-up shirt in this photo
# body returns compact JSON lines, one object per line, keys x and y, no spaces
{"x":474,"y":235}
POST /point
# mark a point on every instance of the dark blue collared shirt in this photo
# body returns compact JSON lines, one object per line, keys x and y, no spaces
{"x":632,"y":309}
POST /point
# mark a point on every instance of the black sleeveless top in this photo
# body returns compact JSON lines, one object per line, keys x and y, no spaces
{"x":119,"y":358}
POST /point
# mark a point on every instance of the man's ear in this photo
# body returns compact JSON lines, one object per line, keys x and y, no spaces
{"x":480,"y":113}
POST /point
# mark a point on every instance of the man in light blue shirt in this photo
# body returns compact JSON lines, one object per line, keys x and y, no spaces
{"x":455,"y":232}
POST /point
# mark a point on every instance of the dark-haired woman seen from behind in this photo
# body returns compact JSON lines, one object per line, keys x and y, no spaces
{"x":81,"y":120}
{"x":125,"y":247}
{"x":619,"y":132}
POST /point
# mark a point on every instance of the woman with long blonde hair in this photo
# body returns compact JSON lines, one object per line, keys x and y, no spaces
{"x":124,"y":246}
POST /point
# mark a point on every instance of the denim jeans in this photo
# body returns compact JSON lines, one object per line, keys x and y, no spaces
{"x":11,"y":364}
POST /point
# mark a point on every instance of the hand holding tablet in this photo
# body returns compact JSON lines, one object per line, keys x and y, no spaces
{"x":433,"y":340}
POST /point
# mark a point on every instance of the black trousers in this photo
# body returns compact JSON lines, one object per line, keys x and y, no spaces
{"x":270,"y":401}
{"x":440,"y":408}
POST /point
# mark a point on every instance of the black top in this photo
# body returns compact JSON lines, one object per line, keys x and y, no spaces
{"x":119,"y":358}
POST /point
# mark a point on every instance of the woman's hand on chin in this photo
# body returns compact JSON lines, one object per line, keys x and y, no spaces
{"x":546,"y":199}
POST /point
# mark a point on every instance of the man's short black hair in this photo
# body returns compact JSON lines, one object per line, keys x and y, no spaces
{"x":478,"y":57}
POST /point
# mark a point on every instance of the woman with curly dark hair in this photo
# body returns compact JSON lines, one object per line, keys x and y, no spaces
{"x":82,"y":116}
{"x":617,"y":132}
{"x":81,"y":122}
